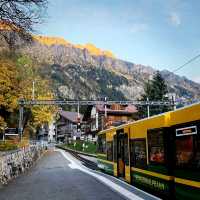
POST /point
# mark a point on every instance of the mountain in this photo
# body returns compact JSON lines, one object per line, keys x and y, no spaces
{"x":87,"y":72}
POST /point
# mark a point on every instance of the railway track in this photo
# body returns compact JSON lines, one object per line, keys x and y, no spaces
{"x":85,"y":162}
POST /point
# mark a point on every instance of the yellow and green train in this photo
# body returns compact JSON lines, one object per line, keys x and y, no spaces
{"x":160,"y":154}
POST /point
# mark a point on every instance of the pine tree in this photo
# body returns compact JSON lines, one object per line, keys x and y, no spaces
{"x":154,"y":90}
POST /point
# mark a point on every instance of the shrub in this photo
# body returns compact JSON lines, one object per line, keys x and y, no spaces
{"x":7,"y":146}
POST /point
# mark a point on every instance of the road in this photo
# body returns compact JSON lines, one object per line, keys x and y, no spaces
{"x":52,"y":178}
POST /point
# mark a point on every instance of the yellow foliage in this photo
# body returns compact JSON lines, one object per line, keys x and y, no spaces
{"x":5,"y":26}
{"x":8,"y":85}
{"x":23,"y":143}
{"x":2,"y":124}
{"x":42,"y":114}
{"x":16,"y":78}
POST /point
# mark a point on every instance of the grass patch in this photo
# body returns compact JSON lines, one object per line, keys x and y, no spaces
{"x":83,"y":146}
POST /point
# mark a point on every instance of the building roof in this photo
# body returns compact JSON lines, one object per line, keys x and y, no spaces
{"x":129,"y":109}
{"x":71,"y":116}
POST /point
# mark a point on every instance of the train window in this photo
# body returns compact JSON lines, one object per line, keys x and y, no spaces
{"x":102,"y":143}
{"x":184,"y":150}
{"x":197,"y":154}
{"x":156,"y":146}
{"x":126,"y":150}
{"x":188,"y":151}
{"x":109,"y":147}
{"x":138,"y":154}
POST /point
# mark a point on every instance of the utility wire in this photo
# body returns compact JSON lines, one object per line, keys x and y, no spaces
{"x":188,"y":62}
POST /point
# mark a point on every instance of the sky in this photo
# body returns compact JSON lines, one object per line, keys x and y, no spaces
{"x":163,"y":34}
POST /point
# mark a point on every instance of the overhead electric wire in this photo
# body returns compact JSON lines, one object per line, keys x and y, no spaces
{"x":180,"y":67}
{"x":188,"y":62}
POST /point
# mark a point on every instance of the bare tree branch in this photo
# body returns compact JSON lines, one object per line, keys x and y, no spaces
{"x":20,"y":16}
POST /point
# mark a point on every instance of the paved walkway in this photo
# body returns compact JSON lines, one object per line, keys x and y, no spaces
{"x":58,"y":176}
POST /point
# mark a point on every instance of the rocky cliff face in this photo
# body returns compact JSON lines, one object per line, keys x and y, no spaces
{"x":87,"y":72}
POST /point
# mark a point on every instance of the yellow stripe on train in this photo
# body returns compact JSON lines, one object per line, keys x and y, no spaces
{"x":150,"y":173}
{"x":187,"y":182}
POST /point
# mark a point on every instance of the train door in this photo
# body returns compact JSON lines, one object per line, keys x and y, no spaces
{"x":115,"y":155}
{"x":120,"y":160}
{"x":122,"y":140}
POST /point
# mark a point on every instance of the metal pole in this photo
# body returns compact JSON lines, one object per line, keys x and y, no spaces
{"x":20,"y":128}
{"x":33,"y":91}
{"x":78,"y":110}
{"x":148,"y":112}
{"x":102,"y":124}
{"x":105,"y":108}
{"x":4,"y":135}
{"x":56,"y":137}
{"x":174,"y":101}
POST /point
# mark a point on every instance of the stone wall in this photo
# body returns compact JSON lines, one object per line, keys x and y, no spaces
{"x":16,"y":162}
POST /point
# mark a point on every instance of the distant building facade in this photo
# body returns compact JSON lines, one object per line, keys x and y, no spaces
{"x":100,"y":117}
{"x":52,"y":134}
{"x":67,"y":126}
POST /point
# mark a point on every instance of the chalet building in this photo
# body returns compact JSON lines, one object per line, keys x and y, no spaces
{"x":99,"y":118}
{"x":67,"y":126}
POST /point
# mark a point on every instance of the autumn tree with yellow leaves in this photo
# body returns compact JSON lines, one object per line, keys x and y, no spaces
{"x":17,"y":72}
{"x":8,"y":90}
{"x":16,"y":77}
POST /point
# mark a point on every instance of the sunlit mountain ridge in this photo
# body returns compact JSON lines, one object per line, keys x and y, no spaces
{"x":49,"y":41}
{"x":87,"y":72}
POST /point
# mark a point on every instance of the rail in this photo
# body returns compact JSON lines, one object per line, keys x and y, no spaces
{"x":85,"y":162}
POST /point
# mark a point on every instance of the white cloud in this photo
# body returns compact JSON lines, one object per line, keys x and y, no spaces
{"x":138,"y":28}
{"x":175,"y":18}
